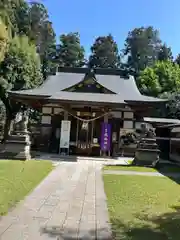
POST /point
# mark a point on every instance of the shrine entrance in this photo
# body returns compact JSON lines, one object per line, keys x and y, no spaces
{"x":85,"y":134}
{"x":85,"y":137}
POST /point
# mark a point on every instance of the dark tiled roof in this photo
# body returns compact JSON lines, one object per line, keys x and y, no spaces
{"x":55,"y":83}
{"x":162,"y":120}
{"x":124,"y":87}
{"x":87,"y":97}
{"x":116,"y":83}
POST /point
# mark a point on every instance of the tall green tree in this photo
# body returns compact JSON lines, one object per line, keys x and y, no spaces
{"x":142,"y":47}
{"x":173,"y":105}
{"x":14,"y":14}
{"x":163,"y":76}
{"x":7,"y":13}
{"x":177,"y":60}
{"x":165,"y":53}
{"x":22,"y":19}
{"x":19,"y":70}
{"x":70,"y":53}
{"x":4,"y":39}
{"x":43,"y":35}
{"x":105,"y":53}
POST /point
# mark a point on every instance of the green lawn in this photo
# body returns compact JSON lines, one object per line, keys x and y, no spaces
{"x":130,"y":168}
{"x":18,"y":178}
{"x":162,"y":168}
{"x":143,"y":207}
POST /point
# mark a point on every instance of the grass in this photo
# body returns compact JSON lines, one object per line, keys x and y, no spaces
{"x":18,"y":178}
{"x":143,"y":207}
{"x":130,"y":168}
{"x":162,"y":168}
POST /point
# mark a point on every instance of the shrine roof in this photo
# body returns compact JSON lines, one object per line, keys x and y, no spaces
{"x":162,"y":120}
{"x":88,"y":97}
{"x":122,"y":86}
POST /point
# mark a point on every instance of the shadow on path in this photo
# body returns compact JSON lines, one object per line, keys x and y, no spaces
{"x":72,"y":234}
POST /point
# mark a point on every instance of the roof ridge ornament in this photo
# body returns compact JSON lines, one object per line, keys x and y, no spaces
{"x":91,"y":70}
{"x":92,"y":74}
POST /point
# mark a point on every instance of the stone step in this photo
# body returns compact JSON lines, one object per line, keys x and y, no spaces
{"x":147,"y":150}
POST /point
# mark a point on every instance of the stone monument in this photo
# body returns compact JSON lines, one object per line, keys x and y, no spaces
{"x":147,"y":152}
{"x":18,"y":143}
{"x":128,"y":144}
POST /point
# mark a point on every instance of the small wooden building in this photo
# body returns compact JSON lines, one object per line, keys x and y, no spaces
{"x":101,"y":105}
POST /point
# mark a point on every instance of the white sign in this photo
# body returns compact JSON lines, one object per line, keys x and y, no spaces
{"x":65,"y":134}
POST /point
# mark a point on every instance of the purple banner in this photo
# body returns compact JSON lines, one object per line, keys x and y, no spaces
{"x":105,"y":137}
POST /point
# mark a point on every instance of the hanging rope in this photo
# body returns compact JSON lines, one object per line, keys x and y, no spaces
{"x":87,"y":120}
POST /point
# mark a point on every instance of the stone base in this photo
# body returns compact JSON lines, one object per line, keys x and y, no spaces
{"x":16,"y":147}
{"x":146,"y":157}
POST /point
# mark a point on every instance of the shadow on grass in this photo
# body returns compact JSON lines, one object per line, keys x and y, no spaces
{"x":71,"y":234}
{"x":170,"y":171}
{"x":163,"y":227}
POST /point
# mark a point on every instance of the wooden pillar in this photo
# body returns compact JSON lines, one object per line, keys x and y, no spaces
{"x":65,"y":151}
{"x":77,"y":132}
{"x":106,"y":118}
{"x":65,"y":115}
{"x":92,"y":132}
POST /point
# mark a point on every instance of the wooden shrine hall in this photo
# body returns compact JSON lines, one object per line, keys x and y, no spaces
{"x":85,"y":111}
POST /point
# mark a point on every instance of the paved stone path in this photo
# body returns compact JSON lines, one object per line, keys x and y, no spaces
{"x":151,"y":174}
{"x":69,"y":204}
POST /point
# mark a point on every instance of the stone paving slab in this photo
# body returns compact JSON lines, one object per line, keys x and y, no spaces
{"x":69,"y":204}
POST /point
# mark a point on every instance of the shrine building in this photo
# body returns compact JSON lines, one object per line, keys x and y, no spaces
{"x":95,"y":106}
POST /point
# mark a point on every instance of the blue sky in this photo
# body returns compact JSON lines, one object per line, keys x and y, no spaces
{"x":99,"y":17}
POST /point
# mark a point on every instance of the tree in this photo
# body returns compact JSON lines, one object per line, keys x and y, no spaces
{"x":165,"y":53}
{"x":104,"y":53}
{"x":14,"y":14}
{"x":4,"y":39}
{"x":39,"y":20}
{"x":43,"y":36}
{"x":173,"y":105}
{"x":19,"y":70}
{"x":177,"y":60}
{"x":163,"y":76}
{"x":70,"y":53}
{"x":22,"y":18}
{"x":6,"y":12}
{"x":142,"y":47}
